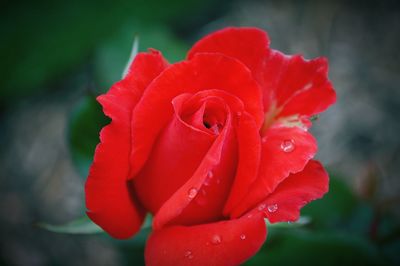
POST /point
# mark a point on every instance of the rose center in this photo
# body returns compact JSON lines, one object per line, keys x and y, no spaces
{"x":208,"y":114}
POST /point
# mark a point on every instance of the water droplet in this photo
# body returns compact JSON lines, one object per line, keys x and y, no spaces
{"x":307,"y":86}
{"x":272,"y":208}
{"x":250,"y":215}
{"x":243,"y":236}
{"x":287,"y":145}
{"x":189,"y":254}
{"x":209,"y":176}
{"x":261,"y":206}
{"x":264,"y":139}
{"x":218,"y":181}
{"x":239,"y":114}
{"x":192,"y":193}
{"x":216,"y":239}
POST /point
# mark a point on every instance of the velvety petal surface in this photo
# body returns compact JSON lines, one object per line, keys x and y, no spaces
{"x":202,"y":197}
{"x":202,"y":72}
{"x":284,"y":204}
{"x":249,"y":143}
{"x":293,"y":85}
{"x":175,"y":156}
{"x":248,"y":45}
{"x":285,"y":150}
{"x":222,"y":243}
{"x":108,"y":199}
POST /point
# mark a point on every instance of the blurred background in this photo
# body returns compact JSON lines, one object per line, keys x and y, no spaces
{"x":56,"y":56}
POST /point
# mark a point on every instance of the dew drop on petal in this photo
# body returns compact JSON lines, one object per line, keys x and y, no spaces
{"x":192,"y":193}
{"x":243,"y":236}
{"x":287,"y":145}
{"x":189,"y":254}
{"x":261,"y":207}
{"x":264,"y":139}
{"x":215,"y":129}
{"x":307,"y":86}
{"x":209,"y":176}
{"x":272,"y":207}
{"x":216,"y":239}
{"x":218,"y":181}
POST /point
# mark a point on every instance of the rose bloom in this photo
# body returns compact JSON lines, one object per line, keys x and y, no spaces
{"x":210,"y":146}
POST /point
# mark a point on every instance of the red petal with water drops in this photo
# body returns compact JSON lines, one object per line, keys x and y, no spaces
{"x":108,"y":198}
{"x":284,"y":204}
{"x":285,"y":150}
{"x":202,"y":72}
{"x":213,"y":175}
{"x":222,"y":243}
{"x":175,"y":156}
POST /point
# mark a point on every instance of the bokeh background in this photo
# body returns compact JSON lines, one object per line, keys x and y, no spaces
{"x":56,"y":56}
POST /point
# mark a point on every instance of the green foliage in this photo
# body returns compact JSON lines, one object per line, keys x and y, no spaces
{"x":334,"y":208}
{"x":41,"y":41}
{"x":305,"y":247}
{"x":79,"y":226}
{"x":112,"y":56}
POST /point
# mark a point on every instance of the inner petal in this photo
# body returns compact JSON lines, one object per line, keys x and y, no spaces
{"x":208,"y":114}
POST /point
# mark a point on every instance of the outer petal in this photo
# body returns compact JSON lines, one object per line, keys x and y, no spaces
{"x":296,"y":86}
{"x":284,"y":204}
{"x":248,"y":45}
{"x":144,"y":68}
{"x":203,"y":72}
{"x":277,"y":163}
{"x":291,"y":84}
{"x":222,"y":243}
{"x":108,"y":198}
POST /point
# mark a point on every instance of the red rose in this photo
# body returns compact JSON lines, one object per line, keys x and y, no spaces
{"x":210,"y":146}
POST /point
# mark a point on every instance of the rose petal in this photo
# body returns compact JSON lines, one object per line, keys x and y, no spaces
{"x":175,"y":156}
{"x":144,"y":68}
{"x":203,"y":72}
{"x":248,"y":45}
{"x":296,"y":86}
{"x":285,"y":150}
{"x":222,"y":243}
{"x":108,"y":200}
{"x":212,"y":181}
{"x":249,"y":142}
{"x":284,"y":204}
{"x":181,"y":207}
{"x":291,"y":83}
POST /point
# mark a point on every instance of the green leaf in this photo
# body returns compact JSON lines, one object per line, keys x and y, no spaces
{"x":302,"y":221}
{"x":134,"y":51}
{"x":39,"y":46}
{"x":305,"y":247}
{"x":85,"y":124}
{"x":80,"y":226}
{"x":112,"y":55}
{"x":334,"y":208}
